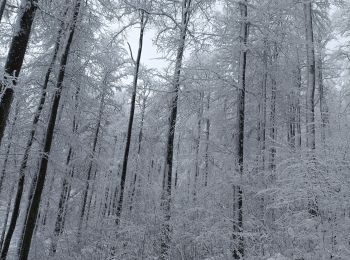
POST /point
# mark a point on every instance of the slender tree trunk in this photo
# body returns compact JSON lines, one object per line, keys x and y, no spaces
{"x":311,"y":78}
{"x":273,"y":130}
{"x":166,"y":194}
{"x":8,"y":148}
{"x":30,"y":197}
{"x":8,"y":208}
{"x":66,"y":186}
{"x":207,"y":139}
{"x":263,"y":115}
{"x":143,"y":111}
{"x":238,"y":251}
{"x":131,"y":120}
{"x":310,"y":98}
{"x":323,"y":103}
{"x":23,"y":166}
{"x":103,"y":211}
{"x":47,"y":207}
{"x":91,"y":164}
{"x":177,"y":160}
{"x":197,"y":144}
{"x":298,"y":108}
{"x":92,"y":195}
{"x":292,"y":120}
{"x":2,"y":8}
{"x":34,"y":207}
{"x":59,"y":223}
{"x":15,"y":59}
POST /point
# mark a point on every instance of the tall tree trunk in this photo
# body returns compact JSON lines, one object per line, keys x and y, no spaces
{"x":62,"y":204}
{"x":66,"y":186}
{"x":273,"y":130}
{"x":238,"y":251}
{"x":166,"y":194}
{"x":177,"y":160}
{"x":8,"y":208}
{"x":8,"y":148}
{"x":143,"y":111}
{"x":323,"y":102}
{"x":261,"y":131}
{"x":298,"y":107}
{"x":15,"y":59}
{"x":2,"y":8}
{"x":310,"y":99}
{"x":197,"y":143}
{"x":131,"y":120}
{"x":92,"y":159}
{"x":311,"y":78}
{"x":34,"y":207}
{"x":30,"y":197}
{"x":47,"y":207}
{"x":92,"y":193}
{"x":23,"y":166}
{"x":207,"y":139}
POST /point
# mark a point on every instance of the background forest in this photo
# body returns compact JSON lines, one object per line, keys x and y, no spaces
{"x":232,"y":144}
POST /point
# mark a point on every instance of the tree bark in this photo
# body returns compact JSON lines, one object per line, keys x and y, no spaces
{"x":66,"y":186}
{"x":93,"y":155}
{"x":8,"y":208}
{"x":311,"y":78}
{"x":298,"y":108}
{"x":197,"y":144}
{"x":310,"y":99}
{"x":273,"y":130}
{"x":131,"y":120}
{"x":207,"y":139}
{"x":177,"y":161}
{"x":8,"y":149}
{"x":238,"y":251}
{"x":23,"y":166}
{"x":166,"y":194}
{"x":2,"y":8}
{"x":323,"y":102}
{"x":15,"y":59}
{"x":263,"y":112}
{"x":143,"y":111}
{"x":34,"y":207}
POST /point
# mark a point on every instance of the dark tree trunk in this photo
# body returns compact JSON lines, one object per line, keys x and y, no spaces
{"x":23,"y":166}
{"x":66,"y":186}
{"x":177,"y":160}
{"x":2,"y":8}
{"x":207,"y":139}
{"x":8,"y":208}
{"x":91,"y":164}
{"x":15,"y":59}
{"x":131,"y":120}
{"x":166,"y":194}
{"x":143,"y":111}
{"x":238,"y":251}
{"x":91,"y":201}
{"x":273,"y":130}
{"x":197,"y":144}
{"x":311,"y":78}
{"x":323,"y":102}
{"x":62,"y":204}
{"x":263,"y":112}
{"x":298,"y":108}
{"x":310,"y":100}
{"x":34,"y":207}
{"x":8,"y":149}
